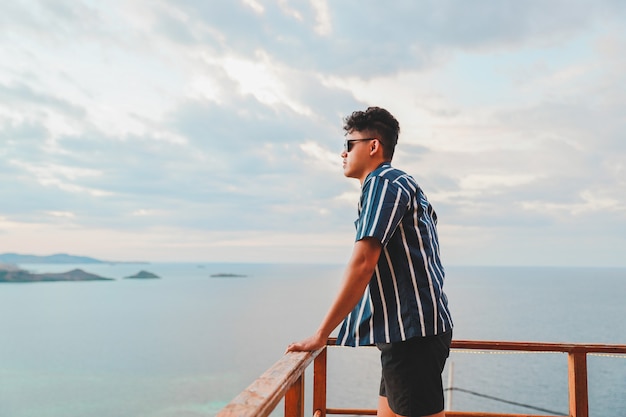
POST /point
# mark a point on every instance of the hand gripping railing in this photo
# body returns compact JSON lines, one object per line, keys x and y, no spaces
{"x":285,"y":379}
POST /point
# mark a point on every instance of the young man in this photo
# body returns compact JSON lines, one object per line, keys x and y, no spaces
{"x":392,"y":291}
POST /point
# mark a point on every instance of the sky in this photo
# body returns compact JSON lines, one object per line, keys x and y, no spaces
{"x":211,"y":131}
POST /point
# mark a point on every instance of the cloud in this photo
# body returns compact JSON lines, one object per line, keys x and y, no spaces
{"x":401,"y":35}
{"x":179,"y":122}
{"x":23,"y":97}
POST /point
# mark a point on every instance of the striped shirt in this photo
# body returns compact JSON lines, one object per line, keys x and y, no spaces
{"x":404,"y":297}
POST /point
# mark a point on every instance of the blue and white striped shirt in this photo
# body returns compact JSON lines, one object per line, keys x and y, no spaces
{"x":404,"y":297}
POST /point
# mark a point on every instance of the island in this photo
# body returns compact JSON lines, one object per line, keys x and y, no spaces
{"x":9,"y":273}
{"x":143,"y":275}
{"x":58,"y":258}
{"x":223,"y":275}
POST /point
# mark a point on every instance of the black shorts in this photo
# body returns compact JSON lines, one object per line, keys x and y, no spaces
{"x":411,"y":374}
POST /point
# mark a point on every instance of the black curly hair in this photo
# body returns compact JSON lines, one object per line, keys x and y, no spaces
{"x":377,"y":121}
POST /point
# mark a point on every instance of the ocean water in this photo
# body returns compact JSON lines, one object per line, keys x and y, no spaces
{"x":186,"y":344}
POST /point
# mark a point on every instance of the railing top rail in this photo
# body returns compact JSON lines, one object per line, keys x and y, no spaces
{"x":538,"y":346}
{"x":531,"y":346}
{"x":262,"y":396}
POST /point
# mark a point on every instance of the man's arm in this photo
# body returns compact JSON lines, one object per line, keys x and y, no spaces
{"x":356,"y":277}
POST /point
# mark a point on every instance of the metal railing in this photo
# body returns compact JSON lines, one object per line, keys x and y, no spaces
{"x":285,"y":379}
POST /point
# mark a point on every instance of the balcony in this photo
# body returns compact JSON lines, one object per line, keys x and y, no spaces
{"x":285,"y":380}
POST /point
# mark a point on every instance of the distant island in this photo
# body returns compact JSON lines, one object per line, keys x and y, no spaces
{"x":223,"y":275}
{"x":58,"y":258}
{"x":9,"y":273}
{"x":143,"y":275}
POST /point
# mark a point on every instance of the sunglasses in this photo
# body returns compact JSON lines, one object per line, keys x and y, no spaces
{"x":347,"y":145}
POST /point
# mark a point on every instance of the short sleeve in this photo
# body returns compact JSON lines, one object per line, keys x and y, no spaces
{"x":383,"y":204}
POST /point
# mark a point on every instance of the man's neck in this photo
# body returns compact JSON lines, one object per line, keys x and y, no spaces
{"x":374,"y":166}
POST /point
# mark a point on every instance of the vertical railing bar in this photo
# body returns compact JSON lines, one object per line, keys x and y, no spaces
{"x":577,"y":378}
{"x":319,"y":383}
{"x":294,"y":398}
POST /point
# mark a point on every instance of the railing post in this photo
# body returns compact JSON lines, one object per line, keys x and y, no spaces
{"x":577,"y":369}
{"x":319,"y":384}
{"x":294,"y":399}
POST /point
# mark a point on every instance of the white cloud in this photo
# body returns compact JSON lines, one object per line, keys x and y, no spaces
{"x":494,"y":182}
{"x":350,"y":197}
{"x":63,"y":177}
{"x":62,"y":214}
{"x":289,"y":11}
{"x":140,"y":122}
{"x":254,"y":5}
{"x":590,"y":202}
{"x":144,"y":212}
{"x":323,"y":25}
{"x":322,"y":157}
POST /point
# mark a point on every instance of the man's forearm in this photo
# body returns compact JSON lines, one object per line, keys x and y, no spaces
{"x":356,"y":277}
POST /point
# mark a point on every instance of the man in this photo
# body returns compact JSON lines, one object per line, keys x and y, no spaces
{"x":391,"y":294}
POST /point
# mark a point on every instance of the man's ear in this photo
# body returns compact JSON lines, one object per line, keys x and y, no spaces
{"x":375,"y":146}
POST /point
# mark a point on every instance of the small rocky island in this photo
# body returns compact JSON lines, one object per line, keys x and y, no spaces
{"x":227,"y":275}
{"x":143,"y":275}
{"x":10,"y":273}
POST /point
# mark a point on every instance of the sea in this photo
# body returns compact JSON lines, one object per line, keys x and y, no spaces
{"x":186,"y":344}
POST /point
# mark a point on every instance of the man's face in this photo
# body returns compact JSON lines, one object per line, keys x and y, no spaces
{"x":356,"y":154}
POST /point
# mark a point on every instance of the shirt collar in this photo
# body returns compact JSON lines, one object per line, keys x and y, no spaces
{"x":382,"y":166}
